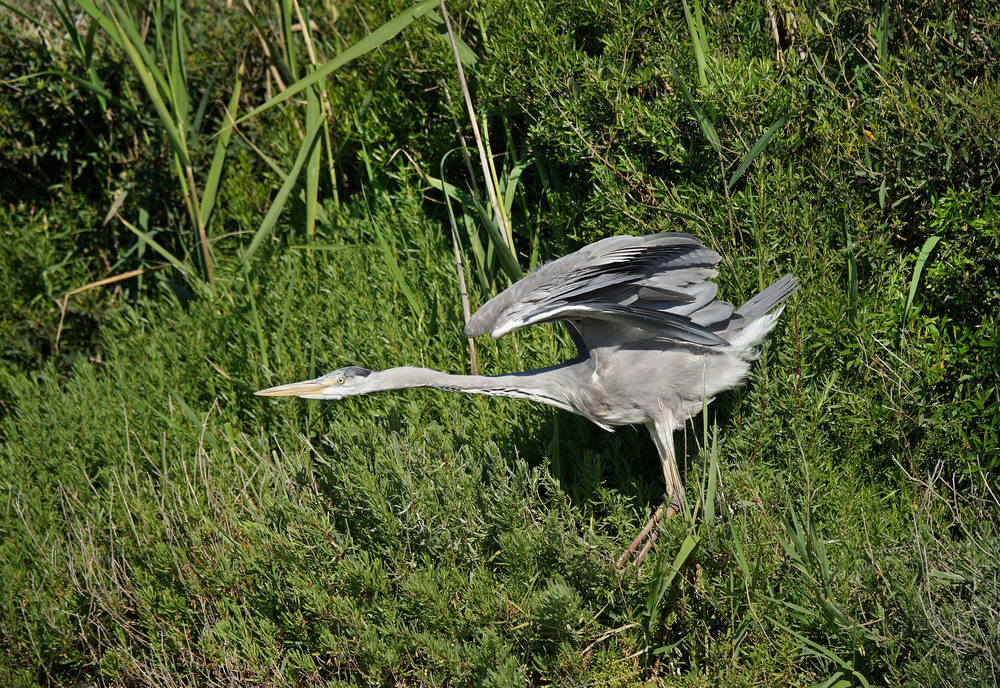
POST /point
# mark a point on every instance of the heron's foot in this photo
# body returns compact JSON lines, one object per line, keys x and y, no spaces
{"x":647,"y":536}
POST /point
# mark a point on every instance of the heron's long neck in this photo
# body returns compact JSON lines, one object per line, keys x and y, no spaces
{"x":546,"y":385}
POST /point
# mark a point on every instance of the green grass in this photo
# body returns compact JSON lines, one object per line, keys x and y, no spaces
{"x":161,"y":519}
{"x":160,"y":525}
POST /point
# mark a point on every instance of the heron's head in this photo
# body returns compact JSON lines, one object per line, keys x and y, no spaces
{"x":343,"y":382}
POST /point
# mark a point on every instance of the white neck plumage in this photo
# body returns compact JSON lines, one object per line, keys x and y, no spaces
{"x":545,"y":385}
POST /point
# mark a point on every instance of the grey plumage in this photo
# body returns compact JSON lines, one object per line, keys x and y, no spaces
{"x":653,"y":343}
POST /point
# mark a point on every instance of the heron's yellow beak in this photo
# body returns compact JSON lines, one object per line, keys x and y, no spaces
{"x":295,"y":389}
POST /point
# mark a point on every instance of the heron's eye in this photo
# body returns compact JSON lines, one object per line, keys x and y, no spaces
{"x":340,"y":380}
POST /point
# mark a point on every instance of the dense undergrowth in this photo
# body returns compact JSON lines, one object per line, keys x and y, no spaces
{"x":162,"y":526}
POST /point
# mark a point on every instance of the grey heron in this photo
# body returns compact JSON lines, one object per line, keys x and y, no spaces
{"x":653,"y":344}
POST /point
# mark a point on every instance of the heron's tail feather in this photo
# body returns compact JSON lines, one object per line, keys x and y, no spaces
{"x":756,"y":320}
{"x":769,"y":298}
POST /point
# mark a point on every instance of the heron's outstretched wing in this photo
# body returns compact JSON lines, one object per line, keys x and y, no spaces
{"x":657,"y":283}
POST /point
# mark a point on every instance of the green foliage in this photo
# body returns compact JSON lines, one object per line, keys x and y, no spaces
{"x":45,"y":252}
{"x":54,"y":137}
{"x":159,"y":525}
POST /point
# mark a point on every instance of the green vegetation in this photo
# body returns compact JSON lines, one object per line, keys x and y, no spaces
{"x":160,"y":525}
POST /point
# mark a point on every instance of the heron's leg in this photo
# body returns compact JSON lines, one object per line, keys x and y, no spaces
{"x":663,"y":435}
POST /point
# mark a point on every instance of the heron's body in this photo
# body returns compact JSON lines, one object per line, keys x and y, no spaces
{"x":654,"y":344}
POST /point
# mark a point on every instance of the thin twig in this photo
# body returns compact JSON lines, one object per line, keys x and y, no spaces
{"x":459,"y":267}
{"x":460,"y":136}
{"x":64,"y":303}
{"x":490,"y":189}
{"x":462,"y":289}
